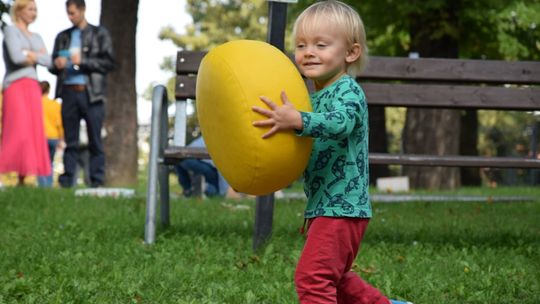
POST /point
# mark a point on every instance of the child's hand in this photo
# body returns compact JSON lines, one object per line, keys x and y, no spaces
{"x":284,"y":117}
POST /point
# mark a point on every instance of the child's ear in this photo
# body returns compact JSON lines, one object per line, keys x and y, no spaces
{"x":353,"y":53}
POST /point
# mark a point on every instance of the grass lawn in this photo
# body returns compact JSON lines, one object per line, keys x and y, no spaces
{"x":58,"y":248}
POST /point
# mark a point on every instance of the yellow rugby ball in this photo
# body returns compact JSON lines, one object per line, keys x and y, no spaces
{"x":230,"y":80}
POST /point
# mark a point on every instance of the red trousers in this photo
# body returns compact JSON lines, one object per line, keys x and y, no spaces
{"x":323,"y":272}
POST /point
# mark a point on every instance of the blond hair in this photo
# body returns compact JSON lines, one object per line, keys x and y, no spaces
{"x":342,"y":17}
{"x":18,"y":6}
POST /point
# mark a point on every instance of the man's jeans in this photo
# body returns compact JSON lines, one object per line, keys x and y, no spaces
{"x":47,"y":181}
{"x":197,"y":167}
{"x":77,"y":106}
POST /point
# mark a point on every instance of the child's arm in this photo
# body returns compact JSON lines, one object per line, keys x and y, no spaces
{"x":337,"y":123}
{"x":284,"y":117}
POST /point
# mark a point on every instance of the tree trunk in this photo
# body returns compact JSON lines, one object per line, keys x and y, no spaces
{"x":468,"y":146}
{"x":429,"y":131}
{"x":432,"y":132}
{"x":378,"y":141}
{"x":120,"y":18}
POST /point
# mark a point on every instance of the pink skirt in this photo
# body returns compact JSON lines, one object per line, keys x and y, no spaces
{"x":23,"y":148}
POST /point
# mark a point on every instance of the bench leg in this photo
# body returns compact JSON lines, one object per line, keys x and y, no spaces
{"x":164,"y":194}
{"x":158,"y":140}
{"x":264,"y":213}
{"x":151,"y":201}
{"x":150,"y":223}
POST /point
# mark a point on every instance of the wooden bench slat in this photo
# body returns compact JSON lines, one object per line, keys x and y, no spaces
{"x":453,"y":70}
{"x":175,"y":153}
{"x":453,"y":96}
{"x":426,"y":69}
{"x":426,"y":95}
{"x":453,"y":161}
{"x":187,"y":62}
{"x":185,"y":87}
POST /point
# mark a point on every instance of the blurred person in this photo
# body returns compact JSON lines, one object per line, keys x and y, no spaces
{"x":215,"y":184}
{"x":82,"y":57}
{"x":53,"y":129}
{"x":23,"y":147}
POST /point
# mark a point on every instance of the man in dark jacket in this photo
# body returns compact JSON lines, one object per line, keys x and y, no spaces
{"x":82,"y":57}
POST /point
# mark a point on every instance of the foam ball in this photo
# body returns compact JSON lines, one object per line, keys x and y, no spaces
{"x":230,"y":80}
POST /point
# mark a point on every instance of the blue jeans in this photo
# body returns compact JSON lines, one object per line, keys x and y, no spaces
{"x":47,"y":181}
{"x":77,"y":106}
{"x":196,"y":166}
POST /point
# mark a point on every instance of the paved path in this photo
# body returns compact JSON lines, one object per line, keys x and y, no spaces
{"x":399,"y":198}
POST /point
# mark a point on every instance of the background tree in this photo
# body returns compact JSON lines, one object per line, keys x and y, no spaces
{"x":216,"y":22}
{"x":120,"y":18}
{"x":433,"y":34}
{"x":4,"y":10}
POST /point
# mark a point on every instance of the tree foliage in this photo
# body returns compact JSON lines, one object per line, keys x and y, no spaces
{"x":4,"y":10}
{"x":487,"y":29}
{"x":216,"y":22}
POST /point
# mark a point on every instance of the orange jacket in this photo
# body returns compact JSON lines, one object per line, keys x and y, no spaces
{"x":52,"y":118}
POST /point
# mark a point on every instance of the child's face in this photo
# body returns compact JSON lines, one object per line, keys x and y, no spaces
{"x":321,"y":55}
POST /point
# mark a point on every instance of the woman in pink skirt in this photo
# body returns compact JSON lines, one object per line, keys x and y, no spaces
{"x":23,"y":147}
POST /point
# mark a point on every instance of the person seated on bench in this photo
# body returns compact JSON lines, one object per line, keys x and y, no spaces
{"x":215,"y":184}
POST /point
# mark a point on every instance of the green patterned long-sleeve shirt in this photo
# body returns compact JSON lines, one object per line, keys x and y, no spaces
{"x":336,"y":179}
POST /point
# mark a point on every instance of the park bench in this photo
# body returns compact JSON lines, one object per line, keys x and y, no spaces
{"x":423,"y":83}
{"x":388,"y":81}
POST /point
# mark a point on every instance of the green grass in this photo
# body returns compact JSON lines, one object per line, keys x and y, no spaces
{"x":57,"y":248}
{"x":484,"y":191}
